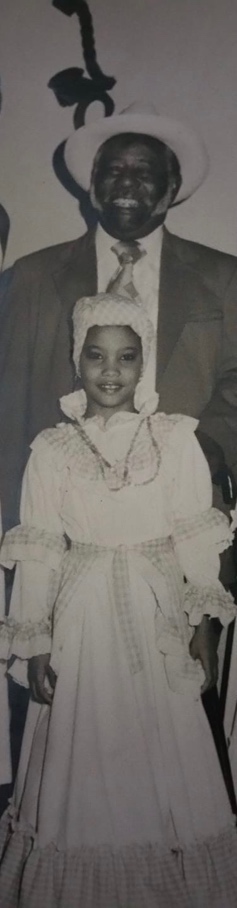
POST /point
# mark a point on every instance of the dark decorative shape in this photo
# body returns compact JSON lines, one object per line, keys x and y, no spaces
{"x":79,"y":115}
{"x":4,"y":229}
{"x":62,"y":173}
{"x":70,"y":86}
{"x":81,"y":9}
{"x":66,"y":6}
{"x":67,"y":85}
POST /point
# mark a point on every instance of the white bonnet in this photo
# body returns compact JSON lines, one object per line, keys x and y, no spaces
{"x":109,"y":309}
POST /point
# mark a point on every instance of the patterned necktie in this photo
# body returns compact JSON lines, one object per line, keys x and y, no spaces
{"x":122,"y":281}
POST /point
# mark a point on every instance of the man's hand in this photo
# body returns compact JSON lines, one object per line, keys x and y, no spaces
{"x":38,"y":670}
{"x":204,"y":646}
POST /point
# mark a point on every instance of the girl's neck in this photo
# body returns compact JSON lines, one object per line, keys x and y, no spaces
{"x":106,"y":412}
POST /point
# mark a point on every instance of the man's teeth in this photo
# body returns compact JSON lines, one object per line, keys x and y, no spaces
{"x":126,"y":203}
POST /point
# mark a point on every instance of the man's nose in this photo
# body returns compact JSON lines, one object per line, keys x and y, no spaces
{"x":127,"y":179}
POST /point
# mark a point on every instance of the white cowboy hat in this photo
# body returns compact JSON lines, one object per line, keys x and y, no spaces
{"x":83,"y":144}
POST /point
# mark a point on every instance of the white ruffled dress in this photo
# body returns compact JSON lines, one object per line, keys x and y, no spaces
{"x":119,"y":800}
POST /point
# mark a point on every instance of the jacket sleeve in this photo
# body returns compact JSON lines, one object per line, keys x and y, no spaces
{"x":219,"y":418}
{"x":15,"y":354}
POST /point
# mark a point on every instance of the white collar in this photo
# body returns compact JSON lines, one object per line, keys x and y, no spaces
{"x":151,"y":243}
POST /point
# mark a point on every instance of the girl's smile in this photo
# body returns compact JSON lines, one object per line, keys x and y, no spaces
{"x":110,"y":366}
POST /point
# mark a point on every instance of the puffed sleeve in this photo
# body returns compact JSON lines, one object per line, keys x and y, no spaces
{"x":200,"y":532}
{"x":36,"y":547}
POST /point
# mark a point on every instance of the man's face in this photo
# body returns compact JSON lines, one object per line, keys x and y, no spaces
{"x":130,"y":186}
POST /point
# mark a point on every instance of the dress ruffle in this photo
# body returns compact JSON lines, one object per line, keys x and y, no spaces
{"x":208,"y":601}
{"x":104,"y":877}
{"x":24,"y":640}
{"x":29,"y":543}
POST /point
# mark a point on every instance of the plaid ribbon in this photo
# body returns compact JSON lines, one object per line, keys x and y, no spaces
{"x":81,"y":557}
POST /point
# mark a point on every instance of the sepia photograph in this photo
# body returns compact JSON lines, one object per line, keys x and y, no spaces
{"x":118,"y":454}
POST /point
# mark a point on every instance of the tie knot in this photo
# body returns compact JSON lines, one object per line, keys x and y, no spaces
{"x":127,"y":252}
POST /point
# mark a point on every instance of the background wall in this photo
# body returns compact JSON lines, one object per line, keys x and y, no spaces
{"x":181,"y":55}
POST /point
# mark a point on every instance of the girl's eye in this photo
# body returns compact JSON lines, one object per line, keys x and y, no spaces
{"x":93,"y":354}
{"x":128,"y":357}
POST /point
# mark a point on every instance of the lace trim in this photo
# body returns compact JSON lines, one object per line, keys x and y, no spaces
{"x":208,"y":601}
{"x":24,"y":640}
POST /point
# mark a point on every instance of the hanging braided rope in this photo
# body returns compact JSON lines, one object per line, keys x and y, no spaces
{"x":81,"y":9}
{"x":88,"y":46}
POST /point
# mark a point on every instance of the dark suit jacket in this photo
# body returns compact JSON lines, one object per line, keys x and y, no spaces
{"x":196,"y":356}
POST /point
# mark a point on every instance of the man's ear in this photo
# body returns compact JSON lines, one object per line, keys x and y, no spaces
{"x":175,"y":182}
{"x":92,"y":192}
{"x":167,"y":199}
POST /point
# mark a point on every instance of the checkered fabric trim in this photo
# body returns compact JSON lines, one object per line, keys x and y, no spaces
{"x":81,"y":558}
{"x":194,"y":526}
{"x":72,"y":447}
{"x":24,"y":543}
{"x":156,"y":562}
{"x":134,"y":876}
{"x":24,"y":639}
{"x":208,"y":601}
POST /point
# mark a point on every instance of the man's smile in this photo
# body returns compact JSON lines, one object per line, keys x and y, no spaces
{"x":126,"y":203}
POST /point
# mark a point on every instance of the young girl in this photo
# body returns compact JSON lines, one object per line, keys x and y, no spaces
{"x":119,"y":800}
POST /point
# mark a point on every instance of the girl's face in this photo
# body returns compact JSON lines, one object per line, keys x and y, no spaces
{"x":110,"y":366}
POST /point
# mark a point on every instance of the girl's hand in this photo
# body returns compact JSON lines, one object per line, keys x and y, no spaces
{"x":204,"y":646}
{"x":38,"y":670}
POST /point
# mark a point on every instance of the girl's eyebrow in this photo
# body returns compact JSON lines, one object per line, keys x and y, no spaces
{"x":120,"y":349}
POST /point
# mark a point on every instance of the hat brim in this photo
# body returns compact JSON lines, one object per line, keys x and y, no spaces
{"x":83,"y":144}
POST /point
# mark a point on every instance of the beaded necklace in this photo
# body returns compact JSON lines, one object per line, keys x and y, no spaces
{"x":116,"y":475}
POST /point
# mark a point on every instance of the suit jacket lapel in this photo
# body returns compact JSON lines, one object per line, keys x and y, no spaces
{"x":173,"y":303}
{"x":78,"y":276}
{"x":189,"y":329}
